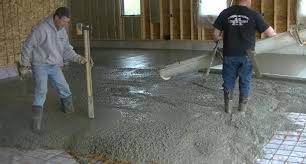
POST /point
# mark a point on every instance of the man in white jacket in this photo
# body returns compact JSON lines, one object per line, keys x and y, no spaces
{"x":46,"y":49}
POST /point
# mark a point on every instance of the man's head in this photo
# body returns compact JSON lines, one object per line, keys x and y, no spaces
{"x":61,"y":17}
{"x":247,"y":3}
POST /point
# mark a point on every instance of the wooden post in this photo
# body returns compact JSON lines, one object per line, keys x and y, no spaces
{"x":88,"y":74}
{"x":171,"y":20}
{"x":262,"y":10}
{"x":181,"y":20}
{"x":161,"y":18}
{"x":275,"y":16}
{"x":143,"y":20}
{"x":288,"y":14}
{"x":191,"y":21}
{"x":121,"y":32}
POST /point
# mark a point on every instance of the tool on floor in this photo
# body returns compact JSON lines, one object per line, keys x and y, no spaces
{"x":85,"y":30}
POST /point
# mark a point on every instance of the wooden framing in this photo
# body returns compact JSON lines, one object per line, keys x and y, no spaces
{"x":171,"y":20}
{"x":191,"y":21}
{"x":143,"y":20}
{"x":181,"y":20}
{"x":176,"y":20}
{"x":288,"y":13}
{"x":120,"y":20}
{"x":275,"y":14}
{"x":161,"y":24}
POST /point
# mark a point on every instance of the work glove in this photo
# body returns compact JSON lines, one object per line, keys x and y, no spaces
{"x":82,"y":60}
{"x":23,"y":71}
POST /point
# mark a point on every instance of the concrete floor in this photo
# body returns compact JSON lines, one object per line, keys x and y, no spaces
{"x":141,"y":59}
{"x":141,"y":118}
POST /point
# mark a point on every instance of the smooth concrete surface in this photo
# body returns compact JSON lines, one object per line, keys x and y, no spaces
{"x":294,"y":49}
{"x":140,"y":58}
{"x":149,"y":44}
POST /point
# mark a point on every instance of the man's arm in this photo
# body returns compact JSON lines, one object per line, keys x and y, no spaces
{"x":263,"y":27}
{"x":217,"y":35}
{"x":70,"y":54}
{"x":28,"y":46}
{"x":219,"y":27}
{"x":270,"y":32}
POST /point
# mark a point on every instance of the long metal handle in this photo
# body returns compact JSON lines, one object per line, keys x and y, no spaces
{"x":212,"y":59}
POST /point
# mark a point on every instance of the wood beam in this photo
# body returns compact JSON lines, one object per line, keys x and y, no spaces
{"x":161,"y":18}
{"x":275,"y":14}
{"x":191,"y":21}
{"x":143,"y":20}
{"x":171,"y":20}
{"x":181,"y":20}
{"x":120,"y":20}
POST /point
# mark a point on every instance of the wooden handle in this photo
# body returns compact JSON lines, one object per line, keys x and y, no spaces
{"x":88,"y":75}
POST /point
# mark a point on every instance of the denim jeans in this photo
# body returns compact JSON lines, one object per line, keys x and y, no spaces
{"x":41,"y":74}
{"x":237,"y":66}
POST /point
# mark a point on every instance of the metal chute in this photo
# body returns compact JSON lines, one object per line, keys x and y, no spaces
{"x":266,"y":64}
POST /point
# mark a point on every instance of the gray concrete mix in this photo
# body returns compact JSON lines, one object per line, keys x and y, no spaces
{"x":141,"y":118}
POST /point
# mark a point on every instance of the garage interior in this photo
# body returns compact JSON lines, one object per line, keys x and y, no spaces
{"x":139,"y":117}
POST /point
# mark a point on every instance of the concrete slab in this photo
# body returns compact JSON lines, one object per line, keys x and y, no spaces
{"x":141,"y":118}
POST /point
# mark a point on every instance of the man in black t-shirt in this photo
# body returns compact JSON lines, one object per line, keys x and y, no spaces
{"x":237,"y":26}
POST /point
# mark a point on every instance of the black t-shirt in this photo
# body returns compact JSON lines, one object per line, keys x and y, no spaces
{"x":239,"y":25}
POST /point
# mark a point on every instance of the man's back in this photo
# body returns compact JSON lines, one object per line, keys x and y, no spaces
{"x":239,"y":25}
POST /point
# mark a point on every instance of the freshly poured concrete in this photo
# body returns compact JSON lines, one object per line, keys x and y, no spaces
{"x":141,"y":118}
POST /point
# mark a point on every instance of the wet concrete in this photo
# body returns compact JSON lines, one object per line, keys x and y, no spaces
{"x":141,"y":118}
{"x":142,"y":59}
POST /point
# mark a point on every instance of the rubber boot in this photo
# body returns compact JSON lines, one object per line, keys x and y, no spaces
{"x":37,"y":117}
{"x":243,"y":103}
{"x":228,"y":102}
{"x":67,"y":105}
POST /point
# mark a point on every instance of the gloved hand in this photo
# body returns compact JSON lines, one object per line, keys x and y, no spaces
{"x":23,"y":71}
{"x":82,"y":60}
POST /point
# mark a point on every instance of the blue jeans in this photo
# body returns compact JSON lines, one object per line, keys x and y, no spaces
{"x":41,"y":74}
{"x":237,"y":66}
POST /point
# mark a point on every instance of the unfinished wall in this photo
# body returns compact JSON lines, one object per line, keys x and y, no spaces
{"x":17,"y":17}
{"x":177,"y":19}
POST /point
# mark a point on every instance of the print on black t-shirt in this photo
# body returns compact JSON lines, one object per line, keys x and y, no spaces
{"x":238,"y":20}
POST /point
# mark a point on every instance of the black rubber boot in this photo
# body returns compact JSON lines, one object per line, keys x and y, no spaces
{"x":36,"y":118}
{"x":243,"y":103}
{"x":228,"y":102}
{"x":67,"y":105}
